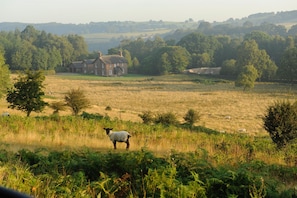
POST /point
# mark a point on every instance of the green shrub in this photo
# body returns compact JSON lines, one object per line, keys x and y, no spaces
{"x":280,"y":121}
{"x":108,"y":108}
{"x":89,"y":116}
{"x":192,"y":116}
{"x":147,"y":117}
{"x":166,"y":119}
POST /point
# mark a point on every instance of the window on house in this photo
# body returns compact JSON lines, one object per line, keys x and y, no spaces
{"x":110,"y":72}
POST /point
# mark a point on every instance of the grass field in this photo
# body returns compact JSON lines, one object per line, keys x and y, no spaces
{"x":222,"y":106}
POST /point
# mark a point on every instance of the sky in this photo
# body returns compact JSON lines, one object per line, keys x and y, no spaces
{"x":86,"y":11}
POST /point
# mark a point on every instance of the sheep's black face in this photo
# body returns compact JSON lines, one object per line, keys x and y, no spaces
{"x":107,"y":130}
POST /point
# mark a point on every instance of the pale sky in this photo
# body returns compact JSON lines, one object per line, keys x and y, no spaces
{"x":86,"y":11}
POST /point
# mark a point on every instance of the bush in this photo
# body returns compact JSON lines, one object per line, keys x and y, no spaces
{"x":89,"y":116}
{"x":108,"y":108}
{"x":166,"y":119}
{"x":191,"y":117}
{"x":280,"y":122}
{"x":147,"y":117}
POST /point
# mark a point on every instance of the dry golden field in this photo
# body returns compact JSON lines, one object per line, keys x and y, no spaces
{"x":222,"y":106}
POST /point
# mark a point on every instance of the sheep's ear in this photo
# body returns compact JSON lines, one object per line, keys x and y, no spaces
{"x":104,"y":128}
{"x":111,"y":128}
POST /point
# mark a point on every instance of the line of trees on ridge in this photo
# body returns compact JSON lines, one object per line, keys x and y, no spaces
{"x":271,"y":55}
{"x":38,"y":50}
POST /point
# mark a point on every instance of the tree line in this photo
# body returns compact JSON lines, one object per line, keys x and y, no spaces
{"x":272,"y":56}
{"x":38,"y":50}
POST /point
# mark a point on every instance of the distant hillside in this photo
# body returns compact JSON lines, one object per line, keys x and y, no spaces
{"x":104,"y":35}
{"x":268,"y":17}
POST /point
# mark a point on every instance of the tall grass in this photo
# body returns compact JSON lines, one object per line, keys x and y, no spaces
{"x":67,"y":132}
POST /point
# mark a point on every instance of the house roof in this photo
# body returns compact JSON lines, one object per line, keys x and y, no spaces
{"x":112,"y":59}
{"x":89,"y":61}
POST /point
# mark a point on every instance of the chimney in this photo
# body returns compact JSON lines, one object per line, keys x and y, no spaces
{"x":120,"y":53}
{"x":99,"y":54}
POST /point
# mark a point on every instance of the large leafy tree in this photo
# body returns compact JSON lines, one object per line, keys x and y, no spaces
{"x":250,"y":54}
{"x":22,"y":57}
{"x":79,"y":45}
{"x":200,"y":47}
{"x":27,"y":94}
{"x":76,"y":100}
{"x":228,"y":67}
{"x":199,"y":43}
{"x":247,"y":77}
{"x":288,"y":67}
{"x":170,"y":59}
{"x":4,"y":75}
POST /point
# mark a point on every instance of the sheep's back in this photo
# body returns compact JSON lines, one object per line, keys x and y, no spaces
{"x":120,"y":136}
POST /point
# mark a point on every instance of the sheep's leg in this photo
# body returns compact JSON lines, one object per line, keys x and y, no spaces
{"x":115,"y":144}
{"x":128,"y":144}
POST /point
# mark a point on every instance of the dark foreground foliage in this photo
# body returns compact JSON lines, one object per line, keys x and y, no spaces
{"x":86,"y":173}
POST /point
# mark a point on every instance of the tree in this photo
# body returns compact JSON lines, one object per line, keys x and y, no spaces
{"x":21,"y":58}
{"x":197,"y":43}
{"x":4,"y":76}
{"x":127,"y":56}
{"x":135,"y":64}
{"x":247,"y":77}
{"x":170,"y":59}
{"x":191,"y":117}
{"x":250,"y":54}
{"x":57,"y":106}
{"x":79,"y":45}
{"x":288,"y":66}
{"x":40,"y":59}
{"x":228,"y":67}
{"x":204,"y":60}
{"x":76,"y":100}
{"x":280,"y":121}
{"x":26,"y":94}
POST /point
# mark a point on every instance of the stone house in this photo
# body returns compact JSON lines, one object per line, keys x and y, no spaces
{"x":103,"y":65}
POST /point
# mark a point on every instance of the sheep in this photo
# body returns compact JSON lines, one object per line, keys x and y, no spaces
{"x":118,"y":136}
{"x":5,"y":114}
{"x":242,"y":130}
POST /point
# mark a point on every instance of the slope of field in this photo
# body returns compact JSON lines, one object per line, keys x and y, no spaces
{"x":222,"y":106}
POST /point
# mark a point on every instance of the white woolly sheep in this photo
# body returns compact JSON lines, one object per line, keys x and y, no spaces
{"x":243,"y":130}
{"x":118,"y":136}
{"x":5,"y":114}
